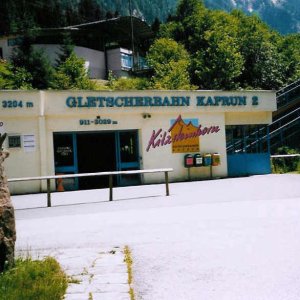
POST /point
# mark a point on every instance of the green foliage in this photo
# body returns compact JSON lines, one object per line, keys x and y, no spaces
{"x":66,"y":48}
{"x":125,"y":83}
{"x":72,"y":74}
{"x":286,"y":164}
{"x":263,"y":67}
{"x":5,"y":73}
{"x":218,"y":65}
{"x":34,"y":280}
{"x":34,"y":62}
{"x":12,"y":78}
{"x":170,"y":62}
{"x":289,"y":48}
{"x":232,"y":50}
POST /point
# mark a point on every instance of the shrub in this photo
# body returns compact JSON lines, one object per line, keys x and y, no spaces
{"x":286,"y":164}
{"x":34,"y":280}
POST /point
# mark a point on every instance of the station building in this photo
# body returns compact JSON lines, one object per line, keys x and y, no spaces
{"x":70,"y":132}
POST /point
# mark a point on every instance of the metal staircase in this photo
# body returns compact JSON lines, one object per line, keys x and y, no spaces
{"x":283,"y":131}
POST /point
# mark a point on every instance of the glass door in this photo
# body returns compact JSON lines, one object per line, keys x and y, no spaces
{"x":127,"y":156}
{"x":65,"y":159}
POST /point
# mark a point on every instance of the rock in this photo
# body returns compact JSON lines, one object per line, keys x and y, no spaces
{"x":7,"y":220}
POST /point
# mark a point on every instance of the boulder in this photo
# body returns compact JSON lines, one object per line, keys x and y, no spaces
{"x":7,"y":219}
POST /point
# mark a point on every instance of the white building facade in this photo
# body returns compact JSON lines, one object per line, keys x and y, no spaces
{"x":69,"y":132}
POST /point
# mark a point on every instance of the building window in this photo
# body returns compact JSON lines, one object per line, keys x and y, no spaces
{"x":1,"y":53}
{"x":126,"y":61}
{"x":14,"y":141}
{"x":142,"y":63}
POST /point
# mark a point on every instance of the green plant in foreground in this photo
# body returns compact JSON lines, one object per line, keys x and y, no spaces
{"x":33,"y":280}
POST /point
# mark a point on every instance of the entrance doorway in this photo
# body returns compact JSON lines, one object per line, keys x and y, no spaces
{"x":90,"y":152}
{"x":95,"y":153}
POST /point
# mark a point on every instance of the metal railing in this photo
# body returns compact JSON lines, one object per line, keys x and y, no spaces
{"x":275,"y":128}
{"x":110,"y":174}
{"x":288,"y":93}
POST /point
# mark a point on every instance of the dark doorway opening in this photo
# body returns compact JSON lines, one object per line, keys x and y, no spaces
{"x":95,"y":153}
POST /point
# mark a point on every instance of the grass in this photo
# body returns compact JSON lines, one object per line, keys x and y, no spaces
{"x":128,"y":261}
{"x":33,"y":280}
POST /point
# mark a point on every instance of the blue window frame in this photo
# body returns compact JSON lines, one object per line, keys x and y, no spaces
{"x":126,"y":60}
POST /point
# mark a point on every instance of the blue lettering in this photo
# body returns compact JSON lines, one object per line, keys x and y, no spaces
{"x":200,"y":101}
{"x":101,"y":100}
{"x":157,"y":101}
{"x":71,"y":102}
{"x":166,"y":101}
{"x":91,"y":101}
{"x":119,"y":102}
{"x":209,"y":101}
{"x":185,"y":101}
{"x":109,"y":102}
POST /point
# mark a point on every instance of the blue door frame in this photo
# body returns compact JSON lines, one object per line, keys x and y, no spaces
{"x":70,"y":169}
{"x":120,"y":166}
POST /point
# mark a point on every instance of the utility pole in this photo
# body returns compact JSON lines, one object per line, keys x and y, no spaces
{"x":132,"y":35}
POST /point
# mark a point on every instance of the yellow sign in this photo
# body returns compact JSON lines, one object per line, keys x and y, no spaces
{"x":185,"y":137}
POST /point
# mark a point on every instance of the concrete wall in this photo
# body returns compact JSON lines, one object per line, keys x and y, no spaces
{"x":95,"y":60}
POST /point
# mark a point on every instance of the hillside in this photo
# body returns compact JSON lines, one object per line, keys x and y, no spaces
{"x":282,"y":15}
{"x":15,"y":15}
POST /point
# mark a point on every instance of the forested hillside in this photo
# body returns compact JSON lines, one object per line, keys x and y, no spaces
{"x":282,"y":15}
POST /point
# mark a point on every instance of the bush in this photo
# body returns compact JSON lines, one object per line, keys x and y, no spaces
{"x":286,"y":164}
{"x":34,"y":280}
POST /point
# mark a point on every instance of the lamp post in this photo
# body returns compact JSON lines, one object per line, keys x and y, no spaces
{"x":132,"y":36}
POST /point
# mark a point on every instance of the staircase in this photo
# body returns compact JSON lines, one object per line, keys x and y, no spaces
{"x":283,"y":131}
{"x":248,"y":153}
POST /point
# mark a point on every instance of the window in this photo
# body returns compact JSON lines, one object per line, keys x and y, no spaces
{"x":14,"y":141}
{"x":1,"y":53}
{"x":126,"y":61}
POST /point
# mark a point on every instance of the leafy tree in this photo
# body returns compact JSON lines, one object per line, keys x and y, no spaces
{"x":218,"y":65}
{"x":258,"y":45}
{"x":231,"y":50}
{"x":4,"y":74}
{"x":72,"y":74}
{"x":14,"y":78}
{"x":34,"y":62}
{"x":170,"y":62}
{"x":289,"y":48}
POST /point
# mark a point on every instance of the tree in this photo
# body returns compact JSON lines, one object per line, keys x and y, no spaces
{"x":89,"y":11}
{"x":34,"y":62}
{"x":72,"y":74}
{"x":289,"y":48}
{"x":219,"y":63}
{"x":170,"y":62}
{"x":66,"y":48}
{"x":263,"y":67}
{"x":231,"y":50}
{"x":12,"y":78}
